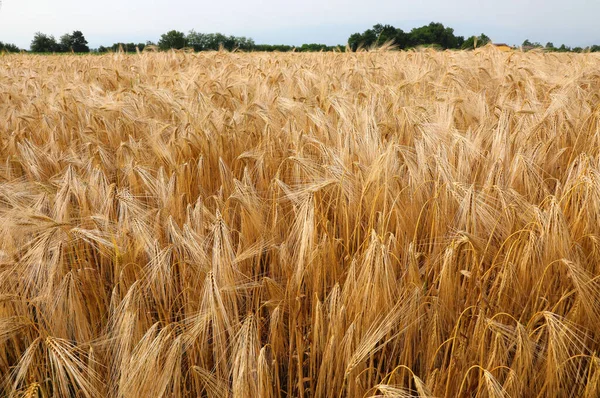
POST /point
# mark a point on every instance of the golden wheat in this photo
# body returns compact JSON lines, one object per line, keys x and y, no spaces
{"x":389,"y":224}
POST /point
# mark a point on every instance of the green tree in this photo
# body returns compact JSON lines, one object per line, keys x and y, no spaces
{"x":64,"y":45}
{"x":10,"y":48}
{"x":384,"y":33}
{"x":369,"y":37}
{"x":43,"y":43}
{"x":78,"y":42}
{"x":313,"y":47}
{"x":484,"y":39}
{"x":272,"y":47}
{"x":475,"y":41}
{"x":196,"y":40}
{"x":434,"y":33}
{"x":354,"y":41}
{"x":214,"y":41}
{"x":172,"y":40}
{"x":401,"y":38}
{"x":126,"y":47}
{"x":74,"y":42}
{"x":244,"y":43}
{"x":470,"y":43}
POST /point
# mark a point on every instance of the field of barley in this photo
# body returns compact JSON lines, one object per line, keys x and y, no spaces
{"x":377,"y":224}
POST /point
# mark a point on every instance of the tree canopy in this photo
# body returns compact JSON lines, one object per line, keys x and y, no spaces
{"x":8,"y":47}
{"x":434,"y":35}
{"x":475,"y":41}
{"x":214,"y":41}
{"x":127,"y":47}
{"x":173,"y":39}
{"x":43,"y":43}
{"x":75,"y":42}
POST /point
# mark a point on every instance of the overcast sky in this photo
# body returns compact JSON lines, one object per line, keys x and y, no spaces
{"x":573,"y":22}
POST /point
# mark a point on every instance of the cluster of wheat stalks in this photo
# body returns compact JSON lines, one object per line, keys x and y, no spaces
{"x":300,"y":225}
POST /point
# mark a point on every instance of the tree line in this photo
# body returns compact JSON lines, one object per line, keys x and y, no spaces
{"x":438,"y":36}
{"x":215,"y":41}
{"x":76,"y":42}
{"x":9,"y":48}
{"x":561,"y":49}
{"x":434,"y":35}
{"x":69,"y":42}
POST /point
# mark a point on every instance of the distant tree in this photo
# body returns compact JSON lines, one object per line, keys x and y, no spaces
{"x":314,"y":47}
{"x":43,"y":43}
{"x":595,"y":48}
{"x":272,"y":47}
{"x":377,"y":36}
{"x":421,"y":36}
{"x":365,"y":40}
{"x":74,"y":42}
{"x":64,"y":45}
{"x":378,"y":28}
{"x":475,"y":42}
{"x":550,"y":46}
{"x":469,"y":43}
{"x":172,"y":40}
{"x":78,"y":42}
{"x":244,"y":43}
{"x":434,"y":33}
{"x":214,"y":41}
{"x":127,"y":47}
{"x":196,"y":40}
{"x":369,"y":38}
{"x":384,"y":33}
{"x":527,"y":43}
{"x":354,"y":41}
{"x":483,"y":39}
{"x":401,"y":39}
{"x":10,"y":48}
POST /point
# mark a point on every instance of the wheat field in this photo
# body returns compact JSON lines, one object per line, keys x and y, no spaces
{"x":376,"y":224}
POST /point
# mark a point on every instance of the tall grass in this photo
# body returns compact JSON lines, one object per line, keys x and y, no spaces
{"x":387,"y":224}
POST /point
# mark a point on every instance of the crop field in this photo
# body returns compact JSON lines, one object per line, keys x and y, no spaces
{"x":390,"y":224}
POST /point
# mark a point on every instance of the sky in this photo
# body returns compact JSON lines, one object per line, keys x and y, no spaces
{"x":574,"y":23}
